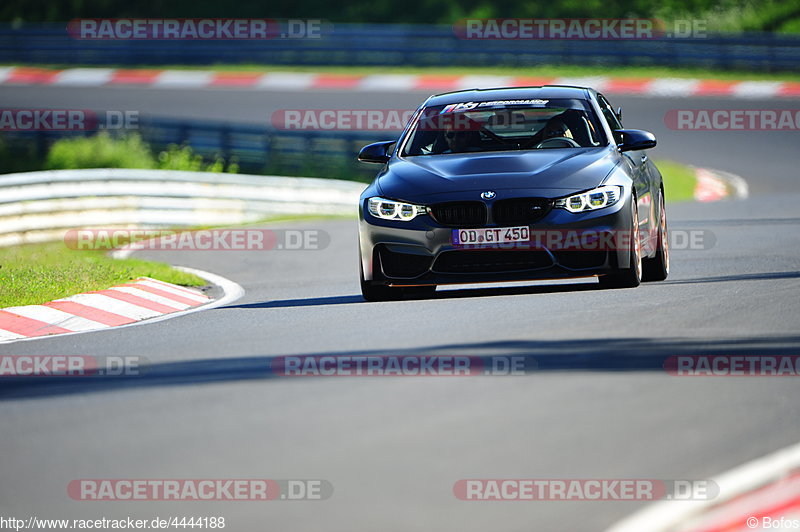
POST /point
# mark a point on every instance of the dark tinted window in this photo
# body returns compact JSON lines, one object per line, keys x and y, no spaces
{"x":608,"y":112}
{"x":504,"y":125}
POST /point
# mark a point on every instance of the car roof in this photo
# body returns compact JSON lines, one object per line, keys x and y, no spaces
{"x":510,"y":93}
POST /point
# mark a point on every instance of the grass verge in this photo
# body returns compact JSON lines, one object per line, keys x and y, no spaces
{"x":32,"y":274}
{"x":679,"y":180}
{"x":541,"y":71}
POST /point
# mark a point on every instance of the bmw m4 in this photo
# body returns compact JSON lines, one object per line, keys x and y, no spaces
{"x":512,"y":184}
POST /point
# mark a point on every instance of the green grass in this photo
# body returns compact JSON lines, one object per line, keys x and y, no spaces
{"x":546,"y":71}
{"x":37,"y":273}
{"x":679,"y":180}
{"x":32,"y":274}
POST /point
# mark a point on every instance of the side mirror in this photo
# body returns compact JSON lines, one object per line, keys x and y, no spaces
{"x":619,"y":114}
{"x":377,"y":152}
{"x":634,"y":139}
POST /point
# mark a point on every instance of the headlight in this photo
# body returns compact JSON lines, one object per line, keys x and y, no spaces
{"x":394,"y":210}
{"x":598,"y":198}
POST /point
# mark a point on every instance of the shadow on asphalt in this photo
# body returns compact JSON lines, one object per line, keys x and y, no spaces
{"x":540,"y":357}
{"x":738,"y":277}
{"x":308,"y":302}
{"x":514,"y":290}
{"x":440,"y":294}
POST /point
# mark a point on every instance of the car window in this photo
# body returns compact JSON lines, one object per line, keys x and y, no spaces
{"x":503,"y":125}
{"x":608,"y":112}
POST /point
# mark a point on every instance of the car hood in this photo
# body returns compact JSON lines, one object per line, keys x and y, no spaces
{"x":551,"y":172}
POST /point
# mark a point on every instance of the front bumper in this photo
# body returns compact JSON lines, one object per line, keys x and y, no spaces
{"x":421,"y":252}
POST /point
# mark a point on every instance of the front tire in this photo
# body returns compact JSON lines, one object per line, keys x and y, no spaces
{"x":630,"y":277}
{"x":418,"y":292}
{"x":657,"y":268}
{"x":389,"y":293}
{"x":372,"y":292}
{"x":379,"y":292}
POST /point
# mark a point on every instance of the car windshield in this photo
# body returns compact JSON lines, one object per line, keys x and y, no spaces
{"x":504,"y":125}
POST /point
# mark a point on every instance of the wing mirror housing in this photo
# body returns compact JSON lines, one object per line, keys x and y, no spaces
{"x":377,"y":152}
{"x":634,"y":139}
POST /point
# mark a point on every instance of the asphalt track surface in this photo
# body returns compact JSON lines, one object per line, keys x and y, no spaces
{"x":600,"y":406}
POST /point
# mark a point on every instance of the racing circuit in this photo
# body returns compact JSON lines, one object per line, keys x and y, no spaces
{"x":601,"y":405}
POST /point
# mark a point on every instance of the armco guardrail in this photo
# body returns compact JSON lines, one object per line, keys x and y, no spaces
{"x":398,"y":44}
{"x":257,"y":149}
{"x":39,"y":206}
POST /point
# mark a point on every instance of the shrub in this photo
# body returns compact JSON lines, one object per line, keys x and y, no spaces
{"x":184,"y":158}
{"x":100,"y":151}
{"x":105,"y":151}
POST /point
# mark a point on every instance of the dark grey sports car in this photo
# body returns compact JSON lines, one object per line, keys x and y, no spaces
{"x":512,"y":184}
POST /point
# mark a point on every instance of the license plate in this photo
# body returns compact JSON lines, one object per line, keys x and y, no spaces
{"x":495,"y":235}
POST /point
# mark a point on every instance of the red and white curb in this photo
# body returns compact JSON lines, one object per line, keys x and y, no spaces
{"x":294,"y":81}
{"x":753,"y":496}
{"x":715,"y":185}
{"x":119,"y":306}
